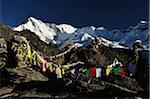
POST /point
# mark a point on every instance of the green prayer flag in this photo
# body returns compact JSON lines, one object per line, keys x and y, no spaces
{"x":116,"y":70}
{"x":66,"y":73}
{"x":87,"y":73}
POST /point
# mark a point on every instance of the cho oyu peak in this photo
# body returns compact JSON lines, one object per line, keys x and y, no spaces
{"x":63,"y":34}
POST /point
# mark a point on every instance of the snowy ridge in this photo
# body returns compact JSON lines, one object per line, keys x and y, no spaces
{"x":64,"y":34}
{"x":66,"y":28}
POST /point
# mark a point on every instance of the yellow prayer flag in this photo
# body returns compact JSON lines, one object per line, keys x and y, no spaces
{"x":19,"y":51}
{"x":51,"y":69}
{"x":32,"y":56}
{"x":29,"y":53}
{"x":108,"y":70}
{"x":63,"y":71}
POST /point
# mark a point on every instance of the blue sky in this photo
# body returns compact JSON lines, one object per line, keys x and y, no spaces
{"x":109,"y":13}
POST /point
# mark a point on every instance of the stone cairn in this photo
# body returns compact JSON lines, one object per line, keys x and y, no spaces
{"x":20,"y":46}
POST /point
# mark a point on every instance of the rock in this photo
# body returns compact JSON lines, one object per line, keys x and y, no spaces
{"x":3,"y":52}
{"x":5,"y":90}
{"x":20,"y":75}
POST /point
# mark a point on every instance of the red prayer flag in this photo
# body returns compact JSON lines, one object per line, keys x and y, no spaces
{"x":92,"y":72}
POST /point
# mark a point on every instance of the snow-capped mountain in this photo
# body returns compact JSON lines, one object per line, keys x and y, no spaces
{"x":64,"y":34}
{"x":47,"y":32}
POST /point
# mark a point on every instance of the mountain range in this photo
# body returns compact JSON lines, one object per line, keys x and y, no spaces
{"x":64,"y":34}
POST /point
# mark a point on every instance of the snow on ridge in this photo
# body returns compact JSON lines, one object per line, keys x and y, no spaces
{"x":101,"y":28}
{"x":66,"y":28}
{"x":143,"y":22}
{"x":19,"y":28}
{"x":86,"y":36}
{"x":93,"y":28}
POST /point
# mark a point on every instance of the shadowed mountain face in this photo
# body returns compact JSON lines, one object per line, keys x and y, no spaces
{"x":101,"y":56}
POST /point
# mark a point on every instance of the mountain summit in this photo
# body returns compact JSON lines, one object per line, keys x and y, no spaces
{"x":63,"y":34}
{"x":45,"y":31}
